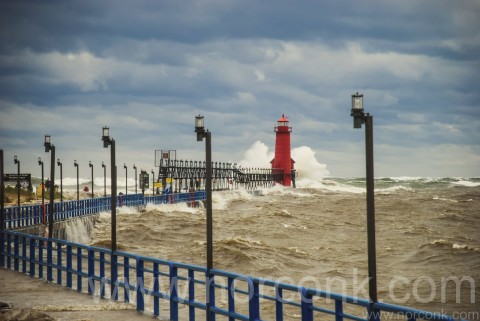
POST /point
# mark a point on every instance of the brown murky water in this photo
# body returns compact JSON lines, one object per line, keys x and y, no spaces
{"x":428,"y":240}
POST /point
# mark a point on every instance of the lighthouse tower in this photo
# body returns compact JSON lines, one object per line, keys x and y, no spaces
{"x":282,"y":163}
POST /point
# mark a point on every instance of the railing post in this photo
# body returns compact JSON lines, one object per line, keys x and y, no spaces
{"x":140,"y":286}
{"x":307,"y":305}
{"x":231,"y":297}
{"x":40,"y":259}
{"x":9,"y":251}
{"x":59,"y":263}
{"x":279,"y":303}
{"x":91,"y":271}
{"x":254,"y":300}
{"x":102,"y":275}
{"x":79,"y":269}
{"x":2,"y":246}
{"x":32,"y":256}
{"x":338,"y":310}
{"x":114,"y":276}
{"x":16,"y":253}
{"x":126,"y":279}
{"x":69,"y":266}
{"x":156,"y":289}
{"x":24,"y":254}
{"x":191,"y":294}
{"x":173,"y":293}
{"x":50,"y":260}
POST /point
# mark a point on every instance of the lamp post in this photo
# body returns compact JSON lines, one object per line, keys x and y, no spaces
{"x":135,"y":168}
{"x":78,"y":189}
{"x":113,"y":173}
{"x":40,"y":162}
{"x":201,"y":134}
{"x":104,"y":179}
{"x":2,"y":207}
{"x":49,"y":147}
{"x":153,"y":182}
{"x":91,"y":166}
{"x":359,"y":118}
{"x":15,"y":159}
{"x":59,"y":164}
{"x":126,"y":183}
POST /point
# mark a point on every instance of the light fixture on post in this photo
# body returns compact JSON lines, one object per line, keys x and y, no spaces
{"x":201,"y":134}
{"x":359,"y":118}
{"x":135,"y":168}
{"x":107,"y":141}
{"x":17,"y":162}
{"x":2,"y":208}
{"x":49,"y":147}
{"x":104,"y":179}
{"x":126,"y":183}
{"x":42,"y":185}
{"x":78,"y":188}
{"x":91,"y":166}
{"x":59,"y":164}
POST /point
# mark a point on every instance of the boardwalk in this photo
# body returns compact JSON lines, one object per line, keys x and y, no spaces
{"x":59,"y":302}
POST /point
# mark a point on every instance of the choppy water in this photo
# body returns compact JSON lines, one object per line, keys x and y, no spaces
{"x":427,"y":237}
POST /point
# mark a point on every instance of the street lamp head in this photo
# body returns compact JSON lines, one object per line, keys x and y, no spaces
{"x":134,"y":167}
{"x":47,"y":143}
{"x":40,"y":160}
{"x":58,"y":162}
{"x":75,"y":163}
{"x":15,"y":159}
{"x":103,"y":164}
{"x":106,"y":136}
{"x":125,"y":165}
{"x":90,"y":164}
{"x":357,"y":110}
{"x":200,"y":127}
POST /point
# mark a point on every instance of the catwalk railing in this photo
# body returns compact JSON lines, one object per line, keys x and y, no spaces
{"x":28,"y":215}
{"x":177,"y":291}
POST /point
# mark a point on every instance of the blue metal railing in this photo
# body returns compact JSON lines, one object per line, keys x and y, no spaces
{"x":177,"y":291}
{"x":28,"y":215}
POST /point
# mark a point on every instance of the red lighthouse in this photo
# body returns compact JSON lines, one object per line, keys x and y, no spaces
{"x":282,"y":163}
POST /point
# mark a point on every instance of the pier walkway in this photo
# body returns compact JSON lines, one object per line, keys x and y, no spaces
{"x":26,"y":293}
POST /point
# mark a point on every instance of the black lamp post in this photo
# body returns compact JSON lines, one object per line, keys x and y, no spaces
{"x":40,"y":162}
{"x":359,"y":118}
{"x":135,"y":168}
{"x":201,"y":134}
{"x":91,"y":166}
{"x":78,"y":189}
{"x":126,"y":183}
{"x":106,"y":142}
{"x":113,"y":170}
{"x":59,"y":164}
{"x":104,"y":179}
{"x":15,"y":159}
{"x":49,"y":147}
{"x":153,"y":182}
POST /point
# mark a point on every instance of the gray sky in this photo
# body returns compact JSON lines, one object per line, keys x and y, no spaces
{"x":146,"y":68}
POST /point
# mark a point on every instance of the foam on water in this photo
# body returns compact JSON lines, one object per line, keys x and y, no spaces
{"x":78,"y":230}
{"x":169,"y":208}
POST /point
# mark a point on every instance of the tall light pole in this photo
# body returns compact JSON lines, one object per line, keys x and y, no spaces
{"x":113,"y":170}
{"x":40,"y":162}
{"x":201,"y":134}
{"x":359,"y":118}
{"x":135,"y":168}
{"x":17,"y":161}
{"x":78,"y":189}
{"x":126,"y":183}
{"x":104,"y":179}
{"x":59,"y":164}
{"x":49,"y":147}
{"x":153,"y":182}
{"x":2,"y":202}
{"x":91,"y":166}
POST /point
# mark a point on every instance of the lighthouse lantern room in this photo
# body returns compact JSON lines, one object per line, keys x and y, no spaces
{"x":282,"y":163}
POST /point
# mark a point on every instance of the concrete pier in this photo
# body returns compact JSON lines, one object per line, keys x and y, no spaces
{"x":32,"y":297}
